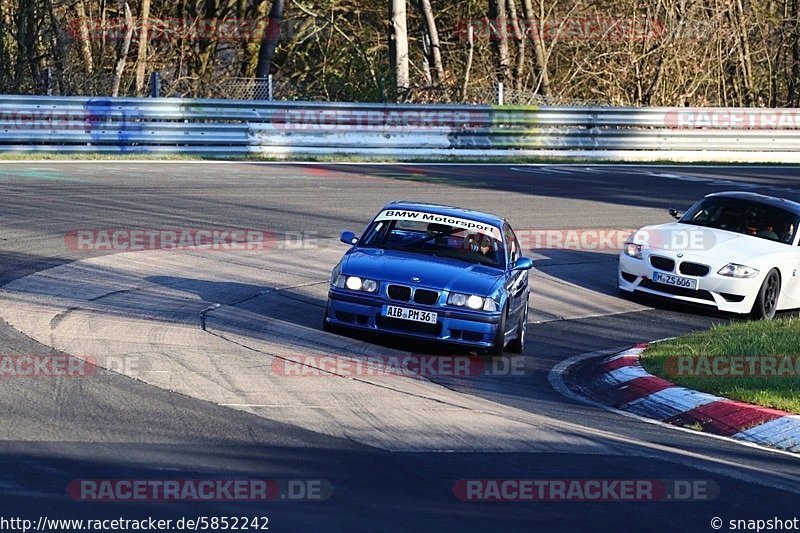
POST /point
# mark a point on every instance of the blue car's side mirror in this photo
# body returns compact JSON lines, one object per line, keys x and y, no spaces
{"x":348,"y":237}
{"x":523,"y":263}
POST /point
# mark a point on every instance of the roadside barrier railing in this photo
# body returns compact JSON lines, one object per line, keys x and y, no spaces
{"x":295,"y":129}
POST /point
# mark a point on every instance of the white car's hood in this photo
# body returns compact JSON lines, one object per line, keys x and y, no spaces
{"x":709,"y":243}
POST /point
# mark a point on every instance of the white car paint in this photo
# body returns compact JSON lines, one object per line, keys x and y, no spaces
{"x":716,"y":248}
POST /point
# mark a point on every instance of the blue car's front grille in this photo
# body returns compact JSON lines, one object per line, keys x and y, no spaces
{"x":399,"y":292}
{"x":425,"y":297}
{"x":402,"y":293}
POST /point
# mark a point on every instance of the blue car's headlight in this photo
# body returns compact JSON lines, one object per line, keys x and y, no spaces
{"x":355,"y":283}
{"x":471,"y":301}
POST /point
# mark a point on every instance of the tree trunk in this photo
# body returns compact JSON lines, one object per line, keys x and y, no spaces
{"x":123,"y":51}
{"x":433,"y":39}
{"x":3,"y":59}
{"x":744,"y":54}
{"x":532,"y":27}
{"x":269,"y":42}
{"x":426,"y":58}
{"x":498,"y":21}
{"x":141,"y":60}
{"x":514,"y":25}
{"x":398,"y":44}
{"x":24,"y":26}
{"x":794,"y":79}
{"x":86,"y":43}
{"x":468,"y":66}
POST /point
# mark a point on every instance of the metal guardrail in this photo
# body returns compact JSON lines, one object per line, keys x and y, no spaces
{"x":242,"y":127}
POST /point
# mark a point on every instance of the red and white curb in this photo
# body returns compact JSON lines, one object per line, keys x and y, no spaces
{"x":620,"y":381}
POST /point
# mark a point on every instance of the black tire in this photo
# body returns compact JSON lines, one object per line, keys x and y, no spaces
{"x":499,"y":344}
{"x":327,"y":326}
{"x":767,"y":298}
{"x":518,"y":344}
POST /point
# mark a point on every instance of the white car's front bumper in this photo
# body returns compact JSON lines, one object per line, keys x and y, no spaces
{"x":734,"y":295}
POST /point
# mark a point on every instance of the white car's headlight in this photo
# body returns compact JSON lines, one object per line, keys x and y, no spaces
{"x":734,"y":270}
{"x":472,"y":301}
{"x":355,"y":283}
{"x":632,"y":249}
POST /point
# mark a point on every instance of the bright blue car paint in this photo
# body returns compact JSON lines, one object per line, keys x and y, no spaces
{"x":478,"y":329}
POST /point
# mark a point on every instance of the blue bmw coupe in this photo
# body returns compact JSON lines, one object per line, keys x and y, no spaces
{"x":434,"y":272}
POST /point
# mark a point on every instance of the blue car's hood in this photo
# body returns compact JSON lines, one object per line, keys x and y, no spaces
{"x":434,"y":272}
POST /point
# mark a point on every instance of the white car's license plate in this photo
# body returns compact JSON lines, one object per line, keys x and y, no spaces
{"x":675,"y":281}
{"x":404,"y":313}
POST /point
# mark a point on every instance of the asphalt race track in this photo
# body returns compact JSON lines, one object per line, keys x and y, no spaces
{"x":194,"y":338}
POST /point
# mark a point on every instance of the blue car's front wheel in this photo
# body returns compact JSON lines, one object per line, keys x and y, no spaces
{"x":327,"y":326}
{"x":499,"y":344}
{"x":518,"y":344}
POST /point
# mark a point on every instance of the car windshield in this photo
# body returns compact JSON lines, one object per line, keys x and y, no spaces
{"x":475,"y":244}
{"x":743,"y":216}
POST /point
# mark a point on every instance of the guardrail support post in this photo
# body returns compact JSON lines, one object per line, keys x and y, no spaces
{"x":500,"y":93}
{"x":48,"y":81}
{"x":155,"y":84}
{"x":269,"y":84}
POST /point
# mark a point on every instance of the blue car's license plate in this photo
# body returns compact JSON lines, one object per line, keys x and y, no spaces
{"x":404,"y":313}
{"x":675,"y":281}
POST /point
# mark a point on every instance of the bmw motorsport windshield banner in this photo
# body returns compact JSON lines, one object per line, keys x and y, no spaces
{"x":471,"y":225}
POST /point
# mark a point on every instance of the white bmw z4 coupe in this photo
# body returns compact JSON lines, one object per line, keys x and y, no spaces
{"x":735,"y":251}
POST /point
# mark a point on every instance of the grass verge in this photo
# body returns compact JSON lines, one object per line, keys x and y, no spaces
{"x":754,"y":362}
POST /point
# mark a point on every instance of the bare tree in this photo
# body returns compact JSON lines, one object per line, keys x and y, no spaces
{"x":86,"y":43}
{"x":270,"y":41}
{"x":532,"y":32}
{"x":399,"y":47}
{"x":794,"y":39}
{"x":498,"y":21}
{"x":468,"y":65}
{"x":519,"y":40}
{"x":122,"y":55}
{"x":141,"y":60}
{"x":435,"y":52}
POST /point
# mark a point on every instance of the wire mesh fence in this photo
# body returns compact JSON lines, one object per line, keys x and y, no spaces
{"x":485,"y":92}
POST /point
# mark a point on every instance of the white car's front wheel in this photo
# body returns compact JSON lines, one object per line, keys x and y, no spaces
{"x":767,"y":298}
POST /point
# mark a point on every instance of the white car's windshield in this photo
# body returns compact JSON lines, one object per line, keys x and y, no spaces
{"x":744,"y":216}
{"x":437,"y":239}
